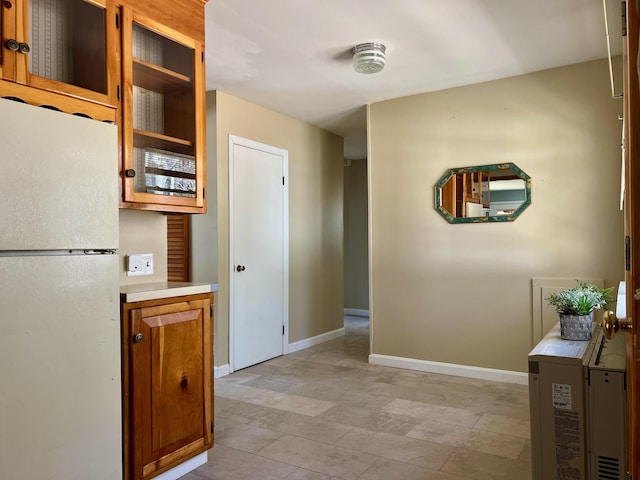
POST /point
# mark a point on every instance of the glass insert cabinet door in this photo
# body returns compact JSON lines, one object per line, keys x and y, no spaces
{"x":163,"y":137}
{"x":61,"y":45}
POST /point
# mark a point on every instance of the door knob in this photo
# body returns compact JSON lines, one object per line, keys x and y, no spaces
{"x":612,"y":324}
{"x":12,"y":45}
{"x":240,"y":268}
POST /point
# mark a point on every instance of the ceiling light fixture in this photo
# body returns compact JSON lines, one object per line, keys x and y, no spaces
{"x":368,"y":57}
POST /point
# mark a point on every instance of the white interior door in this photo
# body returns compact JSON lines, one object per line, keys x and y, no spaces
{"x":258,"y":307}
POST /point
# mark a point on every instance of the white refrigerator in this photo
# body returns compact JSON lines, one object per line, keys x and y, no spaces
{"x":60,"y":396}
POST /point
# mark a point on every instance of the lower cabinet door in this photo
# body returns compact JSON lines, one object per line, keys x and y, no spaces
{"x":171,"y":385}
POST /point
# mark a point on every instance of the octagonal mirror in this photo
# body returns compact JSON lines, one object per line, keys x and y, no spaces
{"x":486,"y":193}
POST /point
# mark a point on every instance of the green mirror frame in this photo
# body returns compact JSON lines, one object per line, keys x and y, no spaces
{"x":496,"y":171}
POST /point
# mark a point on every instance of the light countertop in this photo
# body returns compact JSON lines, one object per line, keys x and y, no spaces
{"x":154,"y":291}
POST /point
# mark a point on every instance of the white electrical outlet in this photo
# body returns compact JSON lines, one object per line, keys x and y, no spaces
{"x":140,"y":264}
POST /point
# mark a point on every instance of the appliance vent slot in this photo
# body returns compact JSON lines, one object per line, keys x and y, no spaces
{"x":608,"y":468}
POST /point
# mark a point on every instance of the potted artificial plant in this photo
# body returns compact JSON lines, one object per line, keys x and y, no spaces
{"x":575,"y":308}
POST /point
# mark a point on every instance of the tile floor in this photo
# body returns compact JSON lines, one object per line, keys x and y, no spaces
{"x":324,"y":413}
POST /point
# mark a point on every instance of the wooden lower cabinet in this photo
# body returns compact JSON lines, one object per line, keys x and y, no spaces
{"x":167,"y":348}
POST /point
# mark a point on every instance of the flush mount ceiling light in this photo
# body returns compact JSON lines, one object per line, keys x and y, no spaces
{"x":368,"y":57}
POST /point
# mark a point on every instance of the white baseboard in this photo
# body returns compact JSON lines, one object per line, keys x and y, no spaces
{"x":450,"y":369}
{"x":221,"y":371}
{"x":356,"y":312}
{"x":184,"y":468}
{"x":310,"y":342}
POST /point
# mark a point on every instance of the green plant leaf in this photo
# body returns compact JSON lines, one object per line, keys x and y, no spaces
{"x":580,"y":300}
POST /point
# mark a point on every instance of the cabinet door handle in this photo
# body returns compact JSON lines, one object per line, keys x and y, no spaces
{"x":130,"y":173}
{"x":138,"y":337}
{"x":240,"y":268}
{"x":24,"y":47}
{"x":12,"y":44}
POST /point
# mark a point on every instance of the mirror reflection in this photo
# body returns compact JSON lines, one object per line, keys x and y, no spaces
{"x":487,"y":193}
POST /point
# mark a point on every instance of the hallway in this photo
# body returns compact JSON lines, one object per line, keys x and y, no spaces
{"x":324,"y":413}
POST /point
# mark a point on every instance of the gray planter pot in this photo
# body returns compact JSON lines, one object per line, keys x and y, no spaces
{"x":576,"y":327}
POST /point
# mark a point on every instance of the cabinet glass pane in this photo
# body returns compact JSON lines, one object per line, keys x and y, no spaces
{"x":163,"y":115}
{"x":68,"y":43}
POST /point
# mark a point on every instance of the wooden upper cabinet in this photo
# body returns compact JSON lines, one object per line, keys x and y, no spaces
{"x":162,"y":117}
{"x":138,"y":63}
{"x":65,"y":51}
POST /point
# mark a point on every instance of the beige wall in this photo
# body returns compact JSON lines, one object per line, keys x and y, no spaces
{"x":356,"y":251}
{"x":204,"y":228}
{"x":143,"y":232}
{"x":461,"y":293}
{"x":315,"y":215}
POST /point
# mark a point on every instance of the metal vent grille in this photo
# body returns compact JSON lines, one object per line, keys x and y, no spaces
{"x":609,"y":468}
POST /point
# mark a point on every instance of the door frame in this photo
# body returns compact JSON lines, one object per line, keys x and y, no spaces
{"x":631,"y":115}
{"x":244,"y":142}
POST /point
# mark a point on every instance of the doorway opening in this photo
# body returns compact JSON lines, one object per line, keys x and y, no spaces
{"x":356,"y":243}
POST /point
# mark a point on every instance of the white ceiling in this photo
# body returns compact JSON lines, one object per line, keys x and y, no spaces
{"x":293,"y":56}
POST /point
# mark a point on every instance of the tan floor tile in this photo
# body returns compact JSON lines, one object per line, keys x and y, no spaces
{"x":302,"y":474}
{"x":525,"y":456}
{"x":319,"y":457}
{"x":480,"y":441}
{"x":305,"y":368}
{"x":280,"y":401}
{"x":472,"y":398}
{"x":239,"y":411}
{"x":409,"y":450}
{"x":515,"y":427}
{"x":338,"y":390}
{"x":386,"y":469}
{"x":446,"y":476}
{"x":275,"y":383}
{"x":440,"y":393}
{"x":437,"y":413}
{"x":236,"y":377}
{"x":331,"y":357}
{"x":375,"y":420}
{"x":230,"y":464}
{"x":241,"y":436}
{"x":324,"y":413}
{"x":313,"y":428}
{"x":479,"y":466}
{"x":191,"y":476}
{"x":283,"y":361}
{"x":512,"y":410}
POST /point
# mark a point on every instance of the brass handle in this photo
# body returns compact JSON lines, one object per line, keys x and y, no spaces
{"x":612,"y":324}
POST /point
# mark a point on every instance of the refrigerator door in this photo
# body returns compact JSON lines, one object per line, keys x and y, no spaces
{"x":60,"y":395}
{"x":59,"y":180}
